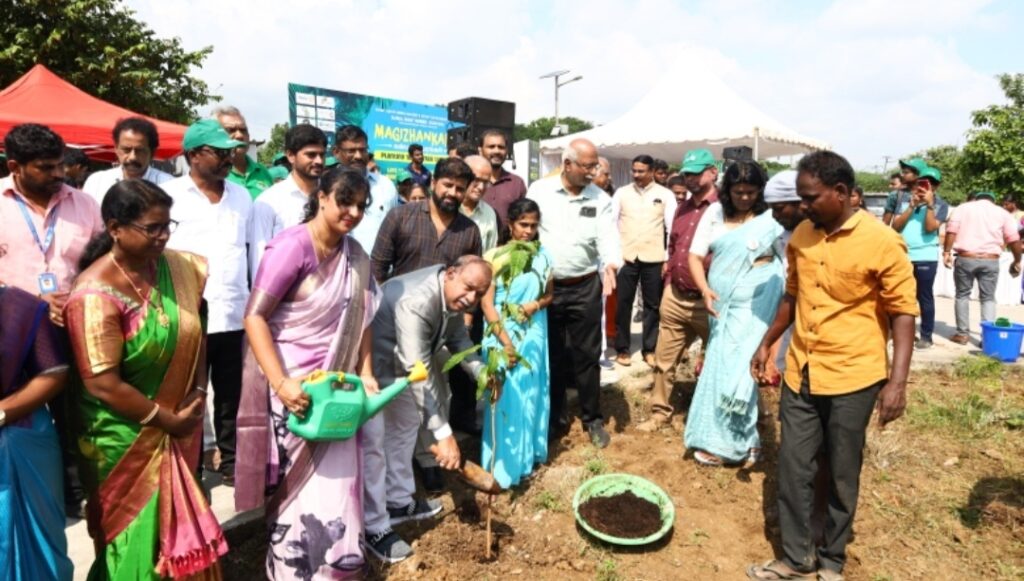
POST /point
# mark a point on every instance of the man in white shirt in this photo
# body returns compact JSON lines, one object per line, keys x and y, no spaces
{"x":213,"y":217}
{"x":351,"y":151}
{"x":283,"y":205}
{"x":575,"y":219}
{"x":135,"y":142}
{"x":643,"y":212}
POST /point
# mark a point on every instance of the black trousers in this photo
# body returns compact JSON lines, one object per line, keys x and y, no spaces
{"x":224,"y":361}
{"x":574,"y":344}
{"x":463,"y":408}
{"x":648,"y":276}
{"x":835,"y":425}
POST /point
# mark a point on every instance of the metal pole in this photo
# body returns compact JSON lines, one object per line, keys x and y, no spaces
{"x":556,"y":101}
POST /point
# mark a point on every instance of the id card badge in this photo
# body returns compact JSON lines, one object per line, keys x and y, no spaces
{"x":47,"y":283}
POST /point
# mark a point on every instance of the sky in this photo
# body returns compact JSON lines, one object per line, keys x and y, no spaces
{"x":874,"y":78}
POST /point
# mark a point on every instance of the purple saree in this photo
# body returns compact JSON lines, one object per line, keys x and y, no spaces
{"x":317,"y":313}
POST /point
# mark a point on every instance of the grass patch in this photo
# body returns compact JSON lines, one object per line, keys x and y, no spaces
{"x":978,"y":370}
{"x":607,"y":570}
{"x":549,"y":501}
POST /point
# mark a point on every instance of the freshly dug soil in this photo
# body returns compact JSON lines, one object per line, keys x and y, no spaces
{"x":623,"y":515}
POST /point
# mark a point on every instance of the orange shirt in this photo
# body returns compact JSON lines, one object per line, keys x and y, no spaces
{"x":846,"y":285}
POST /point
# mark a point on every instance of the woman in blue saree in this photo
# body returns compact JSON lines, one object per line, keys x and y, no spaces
{"x":515,"y":434}
{"x":742,"y":291}
{"x":33,"y":369}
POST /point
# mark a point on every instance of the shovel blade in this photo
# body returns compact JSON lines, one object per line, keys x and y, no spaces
{"x":474,"y":475}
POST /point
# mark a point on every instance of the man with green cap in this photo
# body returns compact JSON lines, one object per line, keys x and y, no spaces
{"x":918,"y":216}
{"x":909,"y":170}
{"x":245,"y":171}
{"x":978,"y":231}
{"x":683,"y":315}
{"x":213,"y":216}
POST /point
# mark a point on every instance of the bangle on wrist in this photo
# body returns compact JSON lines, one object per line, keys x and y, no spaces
{"x":152,"y":414}
{"x":280,"y":383}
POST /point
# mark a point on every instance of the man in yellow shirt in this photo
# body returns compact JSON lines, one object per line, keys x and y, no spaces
{"x":843,"y":301}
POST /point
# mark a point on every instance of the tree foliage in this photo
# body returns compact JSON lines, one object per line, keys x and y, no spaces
{"x":872,"y":182}
{"x":274,"y":145}
{"x":949,"y":160}
{"x":101,"y":48}
{"x":993,"y":157}
{"x":541,"y":127}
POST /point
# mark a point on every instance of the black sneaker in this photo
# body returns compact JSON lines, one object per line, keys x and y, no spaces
{"x":415,"y":510}
{"x":922,"y":344}
{"x":388,"y":546}
{"x":598,"y":435}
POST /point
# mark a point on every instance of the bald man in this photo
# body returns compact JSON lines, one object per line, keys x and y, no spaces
{"x":473,"y":206}
{"x":575,"y":219}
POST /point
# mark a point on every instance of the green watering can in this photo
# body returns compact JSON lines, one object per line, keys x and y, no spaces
{"x":339,"y":406}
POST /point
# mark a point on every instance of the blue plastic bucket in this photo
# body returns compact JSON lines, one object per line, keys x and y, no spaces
{"x":1003,"y":343}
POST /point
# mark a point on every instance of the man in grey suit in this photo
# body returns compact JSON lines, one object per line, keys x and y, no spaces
{"x":420,"y":314}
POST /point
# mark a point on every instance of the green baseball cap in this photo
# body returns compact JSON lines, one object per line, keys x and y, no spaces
{"x":930,"y":172}
{"x":915,"y":163}
{"x":401,"y":175}
{"x":330,"y":161}
{"x":986,"y":194}
{"x":208,"y":132}
{"x":278,"y":172}
{"x":278,"y":159}
{"x":697,"y":160}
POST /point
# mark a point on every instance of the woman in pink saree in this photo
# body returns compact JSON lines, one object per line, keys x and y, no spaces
{"x":312,"y":302}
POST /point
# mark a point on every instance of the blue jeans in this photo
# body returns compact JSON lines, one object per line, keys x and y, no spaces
{"x":924,"y":274}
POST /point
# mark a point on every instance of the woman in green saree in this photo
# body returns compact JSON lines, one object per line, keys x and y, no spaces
{"x":133,"y":318}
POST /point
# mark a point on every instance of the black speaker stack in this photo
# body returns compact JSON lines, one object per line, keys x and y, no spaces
{"x":480,"y":115}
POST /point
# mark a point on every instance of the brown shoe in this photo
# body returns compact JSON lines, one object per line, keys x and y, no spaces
{"x":624,"y":359}
{"x":960,"y":339}
{"x":649,"y":359}
{"x":653,"y":424}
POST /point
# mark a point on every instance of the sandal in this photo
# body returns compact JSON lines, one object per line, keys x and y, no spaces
{"x":753,"y":457}
{"x":705,"y":459}
{"x":825,"y":574}
{"x":775,"y":570}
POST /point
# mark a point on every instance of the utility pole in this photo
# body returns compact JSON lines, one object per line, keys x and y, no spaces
{"x":556,"y":130}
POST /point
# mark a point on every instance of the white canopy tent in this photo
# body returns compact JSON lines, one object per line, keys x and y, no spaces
{"x":678,"y":115}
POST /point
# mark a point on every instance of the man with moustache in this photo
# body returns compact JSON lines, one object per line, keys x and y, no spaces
{"x":45,"y":226}
{"x":213,"y":216}
{"x":351,"y":151}
{"x":683,"y":315}
{"x":283,"y":205}
{"x":576,"y":219}
{"x":473,"y":206}
{"x":643,"y":212}
{"x":135,"y":142}
{"x":420,"y":314}
{"x":838,"y":370}
{"x":420,"y":234}
{"x":506,"y":187}
{"x":427,"y":233}
{"x":245,"y":171}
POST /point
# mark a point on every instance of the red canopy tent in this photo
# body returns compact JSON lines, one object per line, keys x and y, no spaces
{"x":84,"y":121}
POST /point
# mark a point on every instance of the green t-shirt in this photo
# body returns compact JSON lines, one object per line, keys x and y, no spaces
{"x":256,"y":179}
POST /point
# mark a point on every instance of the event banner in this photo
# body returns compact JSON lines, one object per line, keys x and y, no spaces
{"x":391,"y":125}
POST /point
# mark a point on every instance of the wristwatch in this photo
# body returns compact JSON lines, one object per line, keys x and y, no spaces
{"x":3,"y":418}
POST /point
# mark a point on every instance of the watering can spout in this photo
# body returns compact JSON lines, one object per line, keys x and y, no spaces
{"x":375,"y":403}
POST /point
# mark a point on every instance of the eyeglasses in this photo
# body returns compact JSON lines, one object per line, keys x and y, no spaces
{"x":156,"y":230}
{"x":236,"y":129}
{"x":590,"y":167}
{"x":218,"y":153}
{"x":481,"y":185}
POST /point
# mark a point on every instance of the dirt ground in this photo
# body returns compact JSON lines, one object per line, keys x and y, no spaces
{"x":942,"y":497}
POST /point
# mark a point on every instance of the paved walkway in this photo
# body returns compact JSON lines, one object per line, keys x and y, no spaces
{"x":943,"y":353}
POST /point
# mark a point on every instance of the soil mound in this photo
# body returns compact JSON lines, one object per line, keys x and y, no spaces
{"x":623,"y":515}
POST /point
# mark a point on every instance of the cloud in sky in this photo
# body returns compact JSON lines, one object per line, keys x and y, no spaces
{"x":872,"y":77}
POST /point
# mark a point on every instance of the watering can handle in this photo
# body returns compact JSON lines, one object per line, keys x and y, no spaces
{"x":334,"y":376}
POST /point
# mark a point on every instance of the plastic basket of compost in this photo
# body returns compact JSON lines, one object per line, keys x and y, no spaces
{"x":623,"y":509}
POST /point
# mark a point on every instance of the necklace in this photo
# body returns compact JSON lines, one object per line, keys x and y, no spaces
{"x":161,"y":316}
{"x":319,"y":246}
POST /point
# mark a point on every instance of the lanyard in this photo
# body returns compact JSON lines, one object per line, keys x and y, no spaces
{"x":44,"y":244}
